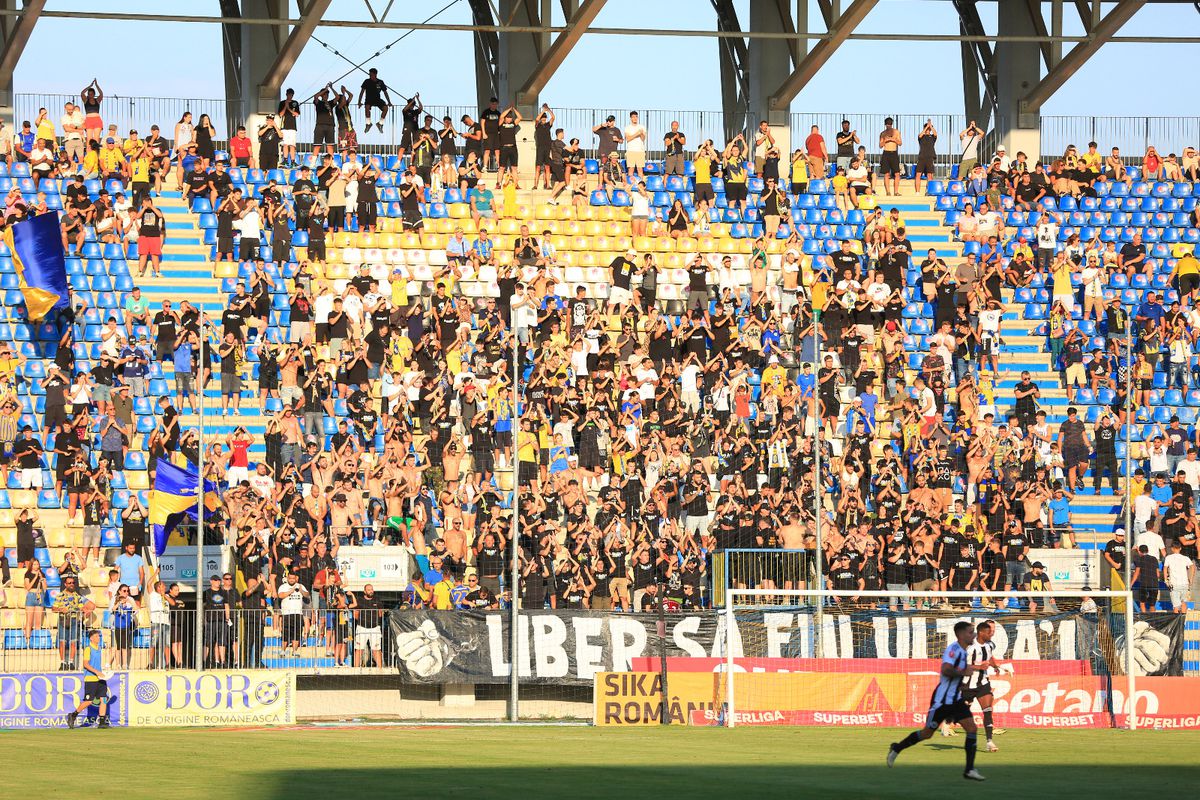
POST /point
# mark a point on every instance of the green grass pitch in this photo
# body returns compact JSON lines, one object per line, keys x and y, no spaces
{"x":584,"y":762}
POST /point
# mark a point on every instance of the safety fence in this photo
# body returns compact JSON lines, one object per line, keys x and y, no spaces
{"x":1132,"y":134}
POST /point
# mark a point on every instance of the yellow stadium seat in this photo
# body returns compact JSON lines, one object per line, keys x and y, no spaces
{"x":561,"y":243}
{"x":344,"y":239}
{"x":605,"y":213}
{"x":509,"y":226}
{"x":602,"y":242}
{"x":387,"y":241}
{"x":587,"y":259}
{"x":434,"y":241}
{"x":567,"y":213}
{"x":607,"y":257}
{"x":365,"y":240}
{"x":643,"y":244}
{"x":504,"y":257}
{"x":744,"y":246}
{"x":586,"y":213}
{"x":546,"y":212}
{"x":8,"y":519}
{"x":615,"y":228}
{"x":137,"y":480}
{"x":225,"y":269}
{"x":95,"y":576}
{"x":8,"y":537}
{"x":686,"y":245}
{"x":727,"y":246}
{"x":675,"y":260}
{"x":12,"y":618}
{"x":445,"y":226}
{"x":569,"y":258}
{"x":720,"y":230}
{"x":386,"y":225}
{"x":593,"y":228}
{"x":23,"y":498}
{"x":571,"y":228}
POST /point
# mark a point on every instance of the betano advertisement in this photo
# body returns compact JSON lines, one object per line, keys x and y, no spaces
{"x":888,"y":700}
{"x":154,"y":699}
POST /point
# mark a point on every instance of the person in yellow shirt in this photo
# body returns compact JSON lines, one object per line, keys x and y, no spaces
{"x":1187,"y":276}
{"x":527,"y":454}
{"x":133,"y":145}
{"x":441,"y":593}
{"x":112,"y":160}
{"x":139,"y":175}
{"x":799,"y":172}
{"x":44,"y":127}
{"x":1022,"y":246}
{"x":774,"y":376}
{"x":702,"y":163}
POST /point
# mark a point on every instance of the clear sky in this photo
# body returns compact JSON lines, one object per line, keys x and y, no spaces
{"x":184,"y":60}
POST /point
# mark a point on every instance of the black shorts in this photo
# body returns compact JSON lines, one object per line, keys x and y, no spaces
{"x":541,"y":158}
{"x":508,"y":157}
{"x":971,"y":695}
{"x":292,"y":626}
{"x":95,"y":690}
{"x":558,"y":172}
{"x":924,"y":166}
{"x":704,"y":191}
{"x":954,"y":712}
{"x":889,"y":163}
{"x":1188,"y":283}
{"x":376,"y":102}
{"x":735,"y":192}
{"x":323,"y":134}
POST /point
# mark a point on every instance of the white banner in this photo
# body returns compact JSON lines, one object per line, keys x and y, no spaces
{"x":1069,"y":570}
{"x":178,"y":565}
{"x":385,"y":568}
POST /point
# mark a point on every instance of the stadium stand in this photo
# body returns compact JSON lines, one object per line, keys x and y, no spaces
{"x":688,"y":340}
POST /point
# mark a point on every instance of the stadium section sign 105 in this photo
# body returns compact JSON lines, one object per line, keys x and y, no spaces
{"x":573,"y":646}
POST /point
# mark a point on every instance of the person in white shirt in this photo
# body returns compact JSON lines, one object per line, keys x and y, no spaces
{"x":635,"y":146}
{"x":1178,"y":571}
{"x":160,"y":627}
{"x":647,"y":380}
{"x":1093,"y":278}
{"x":291,"y":596}
{"x":1047,"y":241}
{"x":989,"y":332}
{"x":639,"y":210}
{"x":72,"y":125}
{"x":1190,"y":467}
{"x":261,"y":481}
{"x":689,"y":380}
{"x":1152,"y":542}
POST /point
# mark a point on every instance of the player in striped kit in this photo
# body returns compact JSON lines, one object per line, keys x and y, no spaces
{"x":946,"y":704}
{"x":976,"y":685}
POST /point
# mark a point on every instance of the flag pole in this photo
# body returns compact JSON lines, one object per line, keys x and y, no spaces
{"x":200,"y":498}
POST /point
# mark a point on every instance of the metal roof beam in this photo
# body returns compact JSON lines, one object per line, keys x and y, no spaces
{"x":1079,"y":55}
{"x":290,"y":52}
{"x":843,"y":26}
{"x":576,"y":26}
{"x":18,"y":36}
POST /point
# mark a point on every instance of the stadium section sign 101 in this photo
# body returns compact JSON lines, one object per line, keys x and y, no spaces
{"x":573,"y":646}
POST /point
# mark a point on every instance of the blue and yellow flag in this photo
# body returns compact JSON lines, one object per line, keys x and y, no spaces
{"x":173,"y":497}
{"x":40,"y":263}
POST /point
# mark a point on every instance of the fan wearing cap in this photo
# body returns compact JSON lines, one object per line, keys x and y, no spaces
{"x":1036,"y":580}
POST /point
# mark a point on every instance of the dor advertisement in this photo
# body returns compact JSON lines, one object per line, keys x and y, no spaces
{"x":226,"y":697}
{"x":43,"y":700}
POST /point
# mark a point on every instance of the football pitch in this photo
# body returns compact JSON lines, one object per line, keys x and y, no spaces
{"x":584,"y":762}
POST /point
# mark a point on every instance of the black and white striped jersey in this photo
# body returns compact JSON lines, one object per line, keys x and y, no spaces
{"x":949,"y":689}
{"x":978,"y":653}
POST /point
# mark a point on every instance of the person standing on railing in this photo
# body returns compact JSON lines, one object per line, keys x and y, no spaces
{"x":289,"y":112}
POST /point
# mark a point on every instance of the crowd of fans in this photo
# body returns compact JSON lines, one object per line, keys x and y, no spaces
{"x":652,"y":434}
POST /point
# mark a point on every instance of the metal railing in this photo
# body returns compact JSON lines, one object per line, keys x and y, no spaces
{"x":1132,"y":134}
{"x":313,"y":640}
{"x":760,"y":568}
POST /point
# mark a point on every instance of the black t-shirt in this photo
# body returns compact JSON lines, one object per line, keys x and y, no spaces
{"x":622,"y":271}
{"x":166,"y":326}
{"x":370,"y":611}
{"x":1015,"y":545}
{"x":324,"y":112}
{"x":490,"y":117}
{"x":373,"y":90}
{"x":1116,"y":551}
{"x":28,"y":453}
{"x":508,"y":133}
{"x":221,"y":182}
{"x":287,"y":111}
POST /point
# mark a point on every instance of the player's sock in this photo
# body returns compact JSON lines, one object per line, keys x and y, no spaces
{"x":908,"y":741}
{"x":987,"y":723}
{"x":969,"y":746}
